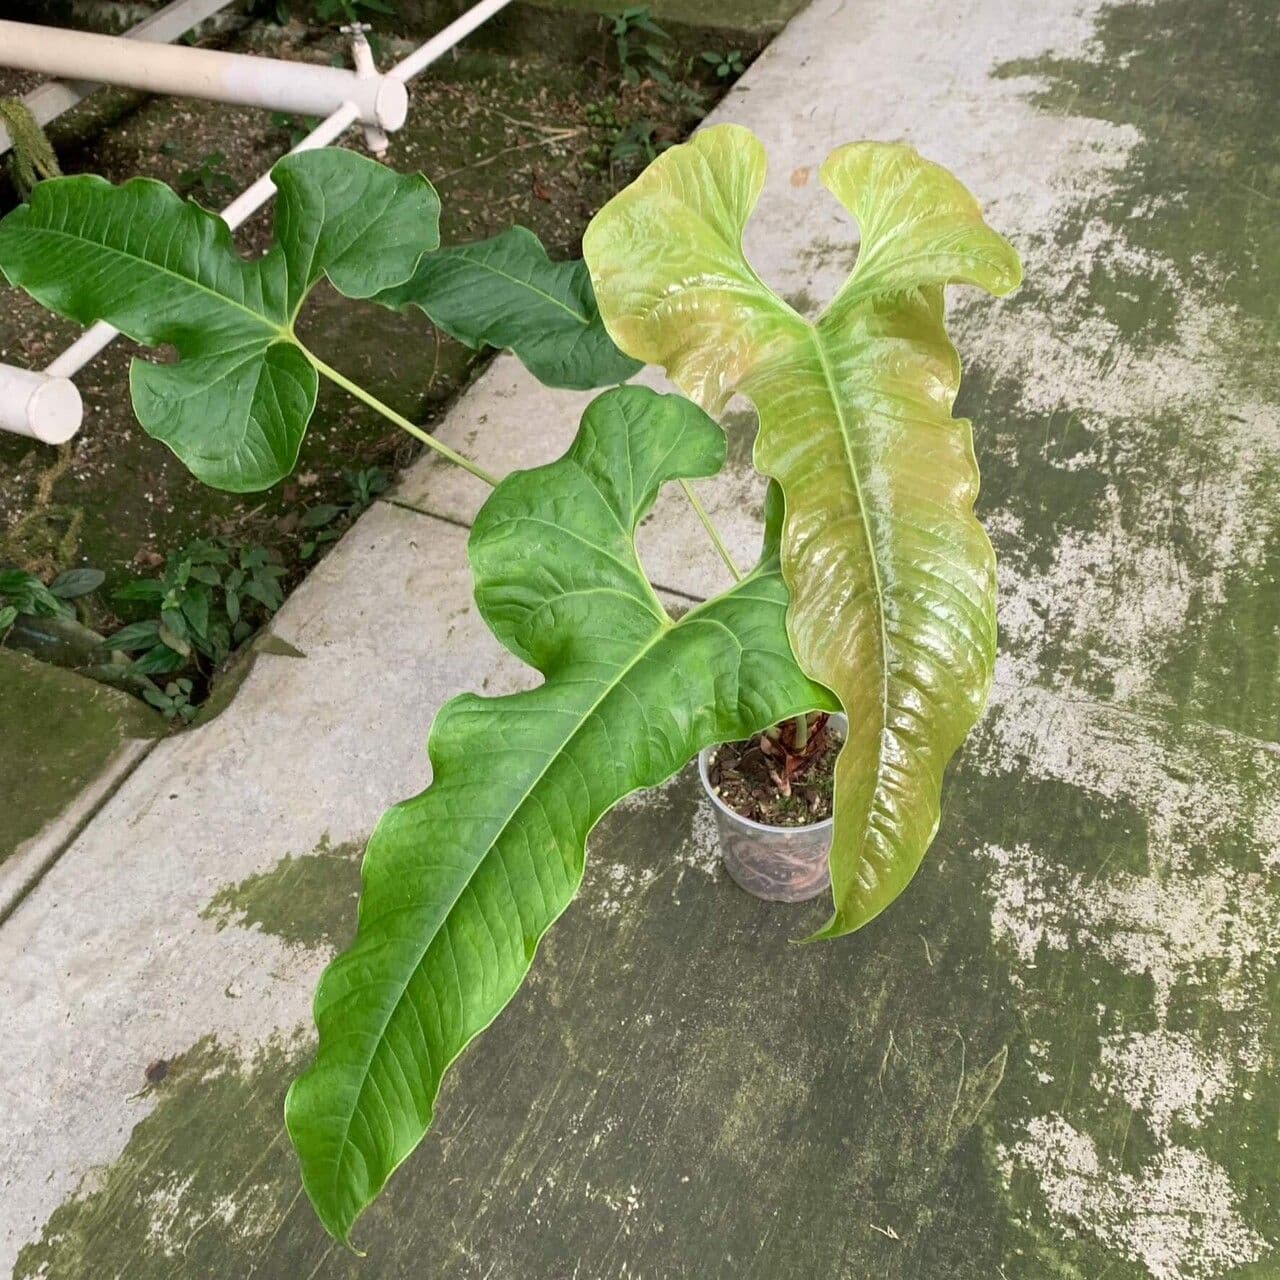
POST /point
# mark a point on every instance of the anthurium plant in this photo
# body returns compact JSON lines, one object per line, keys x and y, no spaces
{"x":874,"y":591}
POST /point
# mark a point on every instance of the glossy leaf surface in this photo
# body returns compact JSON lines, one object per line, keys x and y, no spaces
{"x":461,"y":881}
{"x":163,"y":270}
{"x":506,"y":292}
{"x":892,"y":578}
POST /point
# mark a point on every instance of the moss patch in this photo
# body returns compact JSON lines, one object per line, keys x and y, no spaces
{"x":59,"y":731}
{"x":307,"y":901}
{"x":206,"y":1167}
{"x":1125,"y":430}
{"x":1201,"y":187}
{"x":669,"y":1046}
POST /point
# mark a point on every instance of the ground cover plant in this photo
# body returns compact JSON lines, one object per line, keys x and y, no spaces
{"x":873,"y":592}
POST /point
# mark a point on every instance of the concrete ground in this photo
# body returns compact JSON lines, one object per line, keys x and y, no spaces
{"x":1055,"y":1057}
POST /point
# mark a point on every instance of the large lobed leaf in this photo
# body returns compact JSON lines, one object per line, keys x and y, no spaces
{"x":163,"y":270}
{"x":506,"y":292}
{"x":461,"y":881}
{"x":892,"y":579}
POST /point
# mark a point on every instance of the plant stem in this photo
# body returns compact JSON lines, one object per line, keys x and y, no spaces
{"x":466,"y":464}
{"x":391,"y":415}
{"x":802,"y":732}
{"x":712,"y":532}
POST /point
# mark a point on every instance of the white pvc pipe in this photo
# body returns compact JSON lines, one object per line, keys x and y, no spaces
{"x":424,"y":55}
{"x":297,"y":87}
{"x":38,"y":405}
{"x":48,"y":101}
{"x":101,"y":335}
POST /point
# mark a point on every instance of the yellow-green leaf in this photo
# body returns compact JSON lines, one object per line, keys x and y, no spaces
{"x":892,"y":579}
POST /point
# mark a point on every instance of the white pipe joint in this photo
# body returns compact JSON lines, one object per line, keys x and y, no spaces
{"x":300,"y":88}
{"x":38,"y":405}
{"x":366,"y":68}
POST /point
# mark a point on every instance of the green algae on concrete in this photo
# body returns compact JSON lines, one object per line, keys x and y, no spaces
{"x":1126,"y":423}
{"x":679,"y":1091}
{"x":208,"y":1165}
{"x":306,"y":901}
{"x":1199,"y":190}
{"x":60,"y":730}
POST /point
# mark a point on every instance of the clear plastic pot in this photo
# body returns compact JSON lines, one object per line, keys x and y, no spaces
{"x":779,"y":864}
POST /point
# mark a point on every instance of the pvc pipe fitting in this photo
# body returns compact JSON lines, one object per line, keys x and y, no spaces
{"x":296,"y":87}
{"x":38,"y":405}
{"x":362,"y":59}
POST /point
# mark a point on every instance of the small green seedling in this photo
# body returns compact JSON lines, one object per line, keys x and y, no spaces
{"x":198,"y":606}
{"x":352,"y":11}
{"x":24,"y":593}
{"x":636,"y":144}
{"x":326,"y":521}
{"x":725,"y":65}
{"x":642,"y":45}
{"x":295,"y":128}
{"x":207,"y":178}
{"x":173,"y":701}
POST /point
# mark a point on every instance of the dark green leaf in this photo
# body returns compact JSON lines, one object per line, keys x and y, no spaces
{"x":202,"y":551}
{"x":265,"y":592}
{"x":506,"y":292}
{"x":317,"y":517}
{"x":29,"y":595}
{"x":175,"y":641}
{"x":142,"y":589}
{"x":137,"y":635}
{"x":236,"y":405}
{"x":195,"y":609}
{"x":157,"y":661}
{"x":174,"y":621}
{"x":77,"y":582}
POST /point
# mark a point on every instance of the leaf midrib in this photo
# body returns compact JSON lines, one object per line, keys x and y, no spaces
{"x":845,"y":441}
{"x":585,"y":321}
{"x":282,"y":331}
{"x":663,"y":630}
